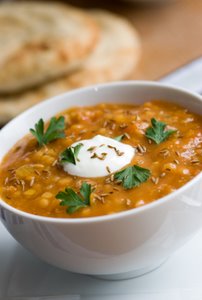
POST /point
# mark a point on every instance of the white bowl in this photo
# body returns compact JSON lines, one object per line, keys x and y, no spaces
{"x":117,"y":246}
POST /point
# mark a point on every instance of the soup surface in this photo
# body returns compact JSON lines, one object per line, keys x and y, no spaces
{"x":41,"y":173}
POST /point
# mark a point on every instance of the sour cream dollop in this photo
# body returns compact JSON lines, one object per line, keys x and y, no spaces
{"x":100,"y":156}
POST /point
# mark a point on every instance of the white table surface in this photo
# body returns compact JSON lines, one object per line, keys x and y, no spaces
{"x":25,"y":277}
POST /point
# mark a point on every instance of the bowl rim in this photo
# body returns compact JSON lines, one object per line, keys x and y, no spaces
{"x":117,"y":215}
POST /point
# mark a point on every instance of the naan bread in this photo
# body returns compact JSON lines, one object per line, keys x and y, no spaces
{"x":41,"y":41}
{"x":114,"y":58}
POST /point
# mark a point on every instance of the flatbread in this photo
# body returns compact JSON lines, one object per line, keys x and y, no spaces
{"x":40,"y":41}
{"x":114,"y":58}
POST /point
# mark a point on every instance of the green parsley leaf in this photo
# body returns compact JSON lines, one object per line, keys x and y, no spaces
{"x":157,"y":132}
{"x":85,"y":192}
{"x":132,"y":176}
{"x":54,"y":131}
{"x":119,"y":138}
{"x":73,"y":200}
{"x":70,"y":154}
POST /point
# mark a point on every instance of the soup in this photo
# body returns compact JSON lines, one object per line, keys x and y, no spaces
{"x":103,"y":159}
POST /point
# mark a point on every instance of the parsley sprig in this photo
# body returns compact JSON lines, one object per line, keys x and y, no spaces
{"x":157,"y":132}
{"x":70,"y":154}
{"x":74,"y":201}
{"x":54,"y":131}
{"x":132,"y":176}
{"x":120,"y":137}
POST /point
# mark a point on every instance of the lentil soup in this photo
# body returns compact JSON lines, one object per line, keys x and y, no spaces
{"x":164,"y":139}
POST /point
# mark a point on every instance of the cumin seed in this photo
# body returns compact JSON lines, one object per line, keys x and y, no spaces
{"x":107,"y":180}
{"x":102,"y":157}
{"x":103,"y":153}
{"x":83,"y":131}
{"x":127,"y":135}
{"x":18,"y":181}
{"x":109,"y":123}
{"x":105,"y":123}
{"x":118,"y":152}
{"x":128,"y":202}
{"x":54,"y":163}
{"x":97,"y":197}
{"x":11,"y":170}
{"x":108,"y":169}
{"x":6,"y":181}
{"x":165,"y":152}
{"x":123,"y":126}
{"x":155,"y":180}
{"x":101,"y":199}
{"x":118,"y":181}
{"x":72,"y":136}
{"x":179,"y":134}
{"x":12,"y":178}
{"x":177,"y":153}
{"x":37,"y":172}
{"x":113,"y":126}
{"x":141,"y":148}
{"x":176,"y":162}
{"x":32,"y":181}
{"x":104,"y":194}
{"x":22,"y":184}
{"x":46,"y":171}
{"x":131,"y":112}
{"x":112,"y":177}
{"x":195,"y":161}
{"x":91,"y":148}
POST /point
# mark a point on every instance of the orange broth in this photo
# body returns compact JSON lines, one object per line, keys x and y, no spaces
{"x":30,"y":176}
